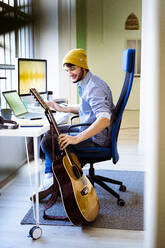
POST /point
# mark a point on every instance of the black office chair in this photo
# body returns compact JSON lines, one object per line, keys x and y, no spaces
{"x":93,"y":155}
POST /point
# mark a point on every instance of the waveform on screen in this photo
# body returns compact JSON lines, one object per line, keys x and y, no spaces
{"x":25,"y":76}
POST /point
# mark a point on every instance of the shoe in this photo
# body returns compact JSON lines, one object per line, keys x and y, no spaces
{"x":47,"y":182}
{"x":46,"y":188}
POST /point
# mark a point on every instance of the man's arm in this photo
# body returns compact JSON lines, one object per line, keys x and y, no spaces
{"x":96,"y":127}
{"x":67,"y":109}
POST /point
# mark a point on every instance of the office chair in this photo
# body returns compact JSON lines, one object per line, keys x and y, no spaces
{"x":92,"y":155}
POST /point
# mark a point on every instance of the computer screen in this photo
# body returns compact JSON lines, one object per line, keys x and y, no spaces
{"x":32,"y":73}
{"x":15,"y":102}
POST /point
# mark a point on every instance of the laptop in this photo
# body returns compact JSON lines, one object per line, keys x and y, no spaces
{"x":19,"y":108}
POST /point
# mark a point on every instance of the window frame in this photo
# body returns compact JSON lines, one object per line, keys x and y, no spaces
{"x":12,"y":47}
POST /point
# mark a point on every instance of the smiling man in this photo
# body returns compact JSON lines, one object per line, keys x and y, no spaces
{"x":96,"y":106}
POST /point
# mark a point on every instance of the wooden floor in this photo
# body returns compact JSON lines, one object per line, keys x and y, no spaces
{"x":14,"y":203}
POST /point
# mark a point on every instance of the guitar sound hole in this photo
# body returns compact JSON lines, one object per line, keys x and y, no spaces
{"x":77,"y":171}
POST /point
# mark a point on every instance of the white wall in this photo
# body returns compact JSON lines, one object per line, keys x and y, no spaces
{"x":46,"y":40}
{"x":67,"y":41}
{"x":12,"y":152}
{"x":55,"y":35}
{"x":153,"y":119}
{"x":106,"y":39}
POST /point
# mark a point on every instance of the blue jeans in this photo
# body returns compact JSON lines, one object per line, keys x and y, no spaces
{"x":46,"y":145}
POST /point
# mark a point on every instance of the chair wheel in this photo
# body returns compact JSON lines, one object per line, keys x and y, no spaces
{"x":122,"y":188}
{"x":35,"y":232}
{"x":121,"y":202}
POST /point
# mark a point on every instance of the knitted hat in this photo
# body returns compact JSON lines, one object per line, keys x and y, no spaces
{"x":76,"y":57}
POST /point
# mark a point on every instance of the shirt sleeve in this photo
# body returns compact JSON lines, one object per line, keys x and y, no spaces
{"x":103,"y":115}
{"x":100,"y":100}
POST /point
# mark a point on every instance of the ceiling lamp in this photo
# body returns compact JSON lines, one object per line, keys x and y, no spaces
{"x":132,"y":22}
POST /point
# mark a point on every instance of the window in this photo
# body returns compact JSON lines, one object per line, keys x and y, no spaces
{"x":16,"y":40}
{"x":137,"y":45}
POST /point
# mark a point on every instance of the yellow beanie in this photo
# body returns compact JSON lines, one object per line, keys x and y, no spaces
{"x":76,"y":57}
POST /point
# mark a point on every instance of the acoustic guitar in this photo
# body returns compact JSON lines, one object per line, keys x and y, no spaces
{"x":78,"y":195}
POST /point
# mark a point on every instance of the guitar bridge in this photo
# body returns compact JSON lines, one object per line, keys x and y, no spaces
{"x":85,"y":191}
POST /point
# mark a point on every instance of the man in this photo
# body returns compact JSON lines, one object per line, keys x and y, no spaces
{"x":95,"y":107}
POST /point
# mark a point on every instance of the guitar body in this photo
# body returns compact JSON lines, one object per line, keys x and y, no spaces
{"x":78,"y":194}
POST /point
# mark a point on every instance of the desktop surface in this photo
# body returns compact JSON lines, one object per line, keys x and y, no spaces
{"x":34,"y":128}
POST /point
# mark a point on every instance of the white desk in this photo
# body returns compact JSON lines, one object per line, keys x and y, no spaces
{"x":35,"y":133}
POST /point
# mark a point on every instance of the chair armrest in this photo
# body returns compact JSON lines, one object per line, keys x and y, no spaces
{"x":73,"y":117}
{"x":78,"y":125}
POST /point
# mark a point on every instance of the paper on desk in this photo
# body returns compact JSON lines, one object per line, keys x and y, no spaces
{"x":32,"y":122}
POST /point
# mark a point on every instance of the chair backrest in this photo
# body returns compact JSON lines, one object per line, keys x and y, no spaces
{"x":128,"y":65}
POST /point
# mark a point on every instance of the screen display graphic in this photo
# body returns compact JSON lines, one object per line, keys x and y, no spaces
{"x":32,"y":74}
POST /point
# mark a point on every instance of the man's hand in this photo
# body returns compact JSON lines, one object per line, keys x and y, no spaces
{"x":65,"y":109}
{"x":64,"y":140}
{"x":55,"y":106}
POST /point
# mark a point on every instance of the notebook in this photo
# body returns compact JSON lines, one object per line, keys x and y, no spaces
{"x":19,"y":108}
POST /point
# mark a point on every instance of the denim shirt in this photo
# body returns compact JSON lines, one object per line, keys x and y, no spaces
{"x":96,"y":101}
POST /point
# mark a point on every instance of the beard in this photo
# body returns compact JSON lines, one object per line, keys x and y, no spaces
{"x":80,"y":77}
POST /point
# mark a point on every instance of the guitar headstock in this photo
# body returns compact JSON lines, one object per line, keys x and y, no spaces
{"x":39,"y":98}
{"x":48,"y":112}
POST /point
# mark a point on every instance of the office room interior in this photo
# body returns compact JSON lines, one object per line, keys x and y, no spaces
{"x":98,"y":26}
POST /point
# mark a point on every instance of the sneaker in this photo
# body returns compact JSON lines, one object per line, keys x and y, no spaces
{"x":46,"y":188}
{"x":47,"y":181}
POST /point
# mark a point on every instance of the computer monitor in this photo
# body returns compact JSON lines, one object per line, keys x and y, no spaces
{"x":32,"y":73}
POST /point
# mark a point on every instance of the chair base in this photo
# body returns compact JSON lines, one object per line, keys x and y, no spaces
{"x":100,"y":180}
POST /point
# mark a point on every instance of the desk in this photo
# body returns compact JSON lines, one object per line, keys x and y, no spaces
{"x":35,"y":133}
